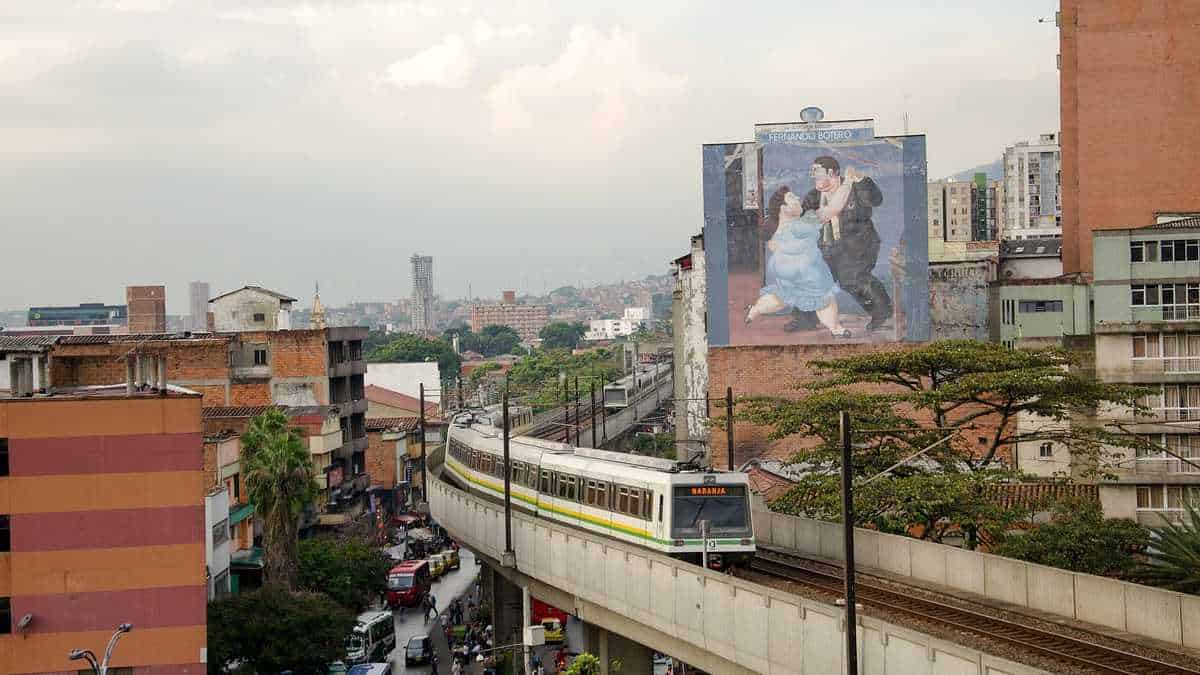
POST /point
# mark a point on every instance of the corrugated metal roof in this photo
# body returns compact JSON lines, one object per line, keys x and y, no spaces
{"x":140,"y":337}
{"x":27,"y":343}
{"x":392,"y":424}
{"x":227,"y":412}
{"x":260,"y":289}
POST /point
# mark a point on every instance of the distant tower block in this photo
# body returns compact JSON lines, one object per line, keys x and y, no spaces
{"x":198,"y":295}
{"x":422,"y":293}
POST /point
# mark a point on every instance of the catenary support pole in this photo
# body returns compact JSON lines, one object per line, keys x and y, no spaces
{"x":421,"y":427}
{"x":507,"y":478}
{"x":592,"y":395}
{"x":729,"y":424}
{"x":848,"y":543}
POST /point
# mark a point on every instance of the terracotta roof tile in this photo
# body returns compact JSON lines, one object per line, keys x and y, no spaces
{"x":769,"y":485}
{"x":395,"y":399}
{"x":1035,"y":493}
{"x":392,"y":424}
{"x":229,"y":412}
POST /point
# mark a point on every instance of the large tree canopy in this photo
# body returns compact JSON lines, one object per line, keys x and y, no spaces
{"x":351,"y":572}
{"x":271,"y":630}
{"x":963,"y":398}
{"x":408,"y":348}
{"x":1078,"y":538}
{"x":562,"y":334}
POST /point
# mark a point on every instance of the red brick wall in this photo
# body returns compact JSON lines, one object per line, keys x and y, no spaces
{"x":381,"y":459}
{"x":296,"y":353}
{"x":252,"y":393}
{"x":777,"y":370}
{"x":210,"y":465}
{"x":213,"y":396}
{"x":1126,"y":65}
{"x":76,"y":365}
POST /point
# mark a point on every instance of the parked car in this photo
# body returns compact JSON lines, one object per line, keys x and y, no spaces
{"x":453,"y":561}
{"x":418,"y":650}
{"x":437,"y":565}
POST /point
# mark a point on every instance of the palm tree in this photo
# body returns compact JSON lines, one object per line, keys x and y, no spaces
{"x":280,"y":482}
{"x":1175,"y":555}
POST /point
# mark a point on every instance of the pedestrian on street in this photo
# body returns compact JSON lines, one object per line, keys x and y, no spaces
{"x":433,"y":665}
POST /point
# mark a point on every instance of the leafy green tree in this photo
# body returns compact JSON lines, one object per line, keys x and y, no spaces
{"x":562,"y":334}
{"x":351,"y":572}
{"x":496,"y":340}
{"x":408,"y":348}
{"x":1174,"y":557}
{"x":938,"y":398}
{"x":271,"y":630}
{"x":584,"y":664}
{"x":1080,"y":539}
{"x":280,"y":482}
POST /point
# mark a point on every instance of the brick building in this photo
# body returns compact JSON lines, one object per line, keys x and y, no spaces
{"x":779,"y":370}
{"x":1126,"y":64}
{"x":147,"y":308}
{"x":526,"y":320}
{"x":103,"y":523}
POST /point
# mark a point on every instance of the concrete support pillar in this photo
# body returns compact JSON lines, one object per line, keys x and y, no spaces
{"x":14,"y":377}
{"x":161,"y":378}
{"x":612,"y":649}
{"x":507,"y":608}
{"x":137,"y":371}
{"x":47,"y":381}
{"x":130,"y":375}
{"x":35,"y":374}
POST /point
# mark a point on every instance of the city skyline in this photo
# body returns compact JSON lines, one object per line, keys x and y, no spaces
{"x":252,"y":143}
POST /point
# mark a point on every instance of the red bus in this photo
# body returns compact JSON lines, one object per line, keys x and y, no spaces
{"x":539,"y":610}
{"x":408,"y":582}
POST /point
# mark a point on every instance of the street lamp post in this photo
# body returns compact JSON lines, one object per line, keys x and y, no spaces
{"x":101,"y":667}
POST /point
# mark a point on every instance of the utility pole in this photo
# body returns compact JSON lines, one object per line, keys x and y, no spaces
{"x":508,"y":549}
{"x":848,"y":543}
{"x":421,"y":426}
{"x":592,"y":393}
{"x":577,"y":417}
{"x":566,"y":411}
{"x":603,"y":414}
{"x":462,"y":403}
{"x":729,"y":423}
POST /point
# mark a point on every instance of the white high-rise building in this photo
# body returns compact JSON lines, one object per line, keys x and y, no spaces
{"x":198,"y":304}
{"x":422,"y":293}
{"x":1033,"y":190}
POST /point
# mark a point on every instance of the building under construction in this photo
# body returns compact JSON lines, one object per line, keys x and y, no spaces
{"x":422,"y":293}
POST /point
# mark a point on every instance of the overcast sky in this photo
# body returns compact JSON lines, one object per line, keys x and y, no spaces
{"x":523,"y":144}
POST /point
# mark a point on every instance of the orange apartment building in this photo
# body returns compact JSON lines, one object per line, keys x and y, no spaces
{"x":102,"y":515}
{"x":1129,"y":98}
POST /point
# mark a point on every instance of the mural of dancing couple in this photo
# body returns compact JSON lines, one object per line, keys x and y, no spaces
{"x":836,"y":252}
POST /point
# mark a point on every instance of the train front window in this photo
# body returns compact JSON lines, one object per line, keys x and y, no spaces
{"x":723,"y":506}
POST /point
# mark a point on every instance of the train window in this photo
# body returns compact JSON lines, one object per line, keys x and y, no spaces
{"x":635,"y":503}
{"x":622,"y":500}
{"x":602,"y":496}
{"x":660,"y":508}
{"x":589,"y":493}
{"x":545,"y":487}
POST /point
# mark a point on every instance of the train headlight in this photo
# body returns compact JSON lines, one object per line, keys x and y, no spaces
{"x":679,"y":542}
{"x":746,"y":542}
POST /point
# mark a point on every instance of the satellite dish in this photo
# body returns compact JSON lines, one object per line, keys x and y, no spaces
{"x":812,"y":114}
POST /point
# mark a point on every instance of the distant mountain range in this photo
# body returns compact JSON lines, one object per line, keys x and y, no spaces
{"x":994,"y":171}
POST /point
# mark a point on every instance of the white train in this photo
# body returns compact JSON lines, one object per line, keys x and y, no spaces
{"x":645,"y":501}
{"x":619,"y":394}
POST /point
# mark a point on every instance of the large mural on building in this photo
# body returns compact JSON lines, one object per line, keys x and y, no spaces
{"x":816,"y":233}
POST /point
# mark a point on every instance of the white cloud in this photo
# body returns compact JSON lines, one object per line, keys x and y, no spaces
{"x":447,"y":64}
{"x":598,"y":83}
{"x":483,"y":33}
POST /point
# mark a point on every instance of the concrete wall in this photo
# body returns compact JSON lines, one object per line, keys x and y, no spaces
{"x":691,"y":353}
{"x":718,"y":623}
{"x":236,"y":311}
{"x":1133,"y":608}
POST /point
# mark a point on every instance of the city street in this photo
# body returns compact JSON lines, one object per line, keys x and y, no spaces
{"x":453,"y":584}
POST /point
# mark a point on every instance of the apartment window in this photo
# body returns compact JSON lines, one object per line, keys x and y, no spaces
{"x":1146,"y":346}
{"x":1031,"y":306}
{"x":5,"y":534}
{"x":220,"y":587}
{"x":259,"y":317}
{"x":1166,"y":497}
{"x":3,"y":456}
{"x":1045,"y":450}
{"x":260,"y":357}
{"x":1180,"y":250}
{"x":1143,"y":251}
{"x":220,"y":533}
{"x":6,"y":616}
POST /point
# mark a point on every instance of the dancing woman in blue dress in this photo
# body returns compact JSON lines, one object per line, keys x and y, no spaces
{"x":797,"y":274}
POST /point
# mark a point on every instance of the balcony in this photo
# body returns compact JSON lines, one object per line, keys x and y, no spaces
{"x":1168,"y":365}
{"x":1163,"y":466}
{"x":251,"y":372}
{"x":1174,"y":414}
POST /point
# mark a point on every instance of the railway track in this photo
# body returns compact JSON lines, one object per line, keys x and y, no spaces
{"x":1063,"y":649}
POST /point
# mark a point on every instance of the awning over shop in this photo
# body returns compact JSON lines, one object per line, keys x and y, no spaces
{"x":246,"y":559}
{"x":240,"y":513}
